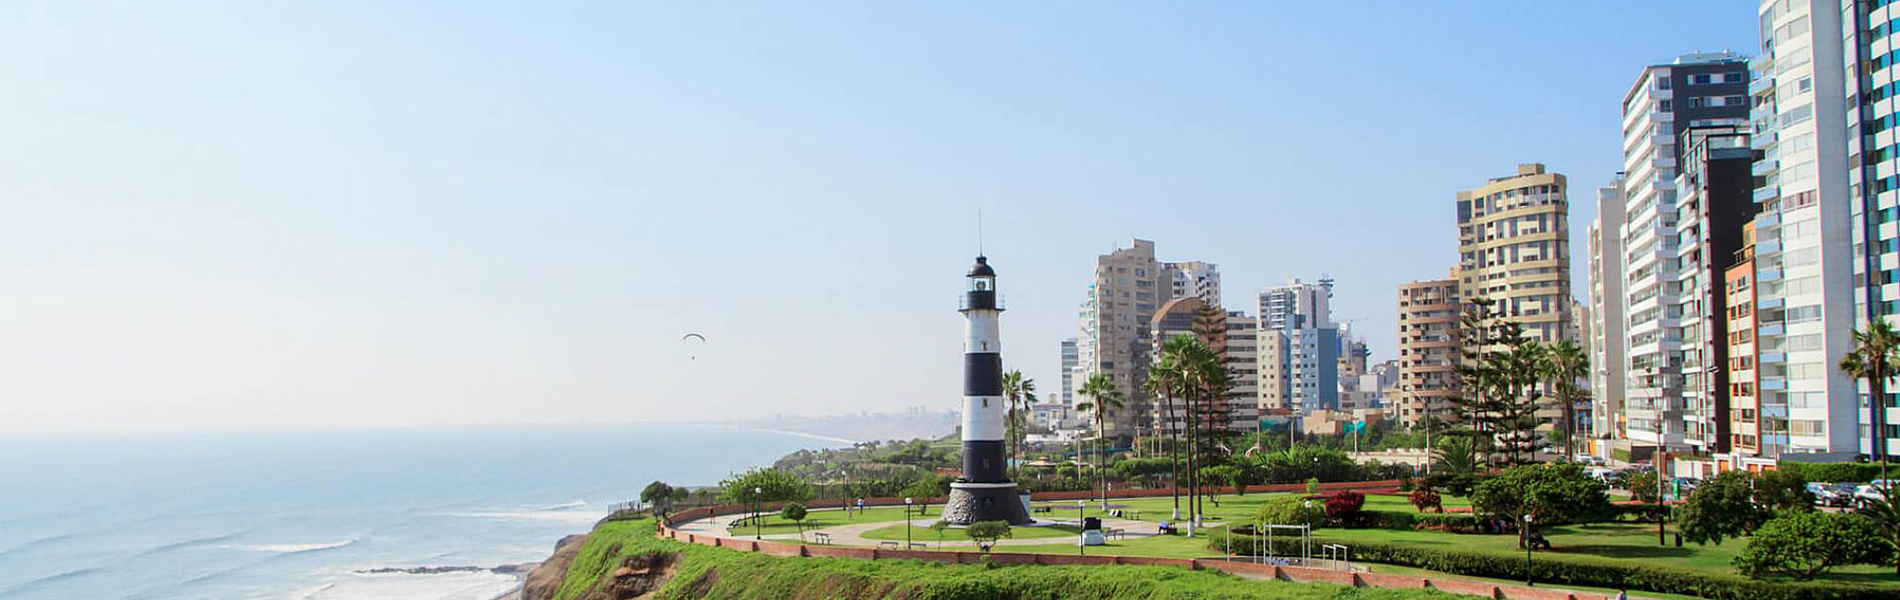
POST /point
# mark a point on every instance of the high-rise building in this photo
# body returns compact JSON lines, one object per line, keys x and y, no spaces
{"x":1299,"y":347}
{"x":1193,"y":278}
{"x":1070,"y":356}
{"x":1243,"y":366}
{"x":1514,"y":249}
{"x":1804,"y":257}
{"x":1666,"y":99}
{"x":1875,"y":190}
{"x":1605,"y":334}
{"x":1193,"y":316}
{"x":1759,"y":433}
{"x":1429,"y":343}
{"x":1116,"y":325}
{"x":1714,"y":198}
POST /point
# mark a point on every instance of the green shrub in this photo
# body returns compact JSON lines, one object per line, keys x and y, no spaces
{"x":1578,"y":571}
{"x":1834,"y":472}
{"x":1291,"y":510}
{"x":1805,"y":544}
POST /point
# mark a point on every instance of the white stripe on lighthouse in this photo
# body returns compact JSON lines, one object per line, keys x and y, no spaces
{"x":982,"y":421}
{"x":981,"y":332}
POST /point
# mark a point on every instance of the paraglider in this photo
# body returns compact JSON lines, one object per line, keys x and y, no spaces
{"x":692,"y":346}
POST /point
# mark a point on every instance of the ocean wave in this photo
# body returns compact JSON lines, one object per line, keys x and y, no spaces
{"x":48,"y":580}
{"x":312,"y":594}
{"x":574,"y":504}
{"x":35,"y":543}
{"x":188,"y":543}
{"x":298,"y":548}
{"x":559,"y":516}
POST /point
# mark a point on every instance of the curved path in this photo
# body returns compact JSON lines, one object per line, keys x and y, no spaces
{"x":852,"y":534}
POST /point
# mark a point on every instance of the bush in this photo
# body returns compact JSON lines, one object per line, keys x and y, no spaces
{"x":1289,"y":510}
{"x":1601,"y":573}
{"x":1805,"y":544}
{"x":1343,"y":506}
{"x":985,"y":533}
{"x":1312,"y":486}
{"x":1834,"y":472}
{"x":1424,"y":499}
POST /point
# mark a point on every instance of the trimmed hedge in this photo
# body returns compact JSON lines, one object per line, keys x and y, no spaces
{"x":1579,"y":571}
{"x":1838,"y":472}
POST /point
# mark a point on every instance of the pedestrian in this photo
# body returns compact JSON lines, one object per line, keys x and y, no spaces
{"x":1622,"y":594}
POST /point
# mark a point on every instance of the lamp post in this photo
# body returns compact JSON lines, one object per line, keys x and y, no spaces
{"x":907,"y":522}
{"x":1527,"y":552}
{"x":758,"y":522}
{"x":1081,"y":537}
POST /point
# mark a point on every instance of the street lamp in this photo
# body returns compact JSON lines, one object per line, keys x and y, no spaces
{"x":758,"y":523}
{"x":1527,"y":551}
{"x":1081,"y":537}
{"x":907,"y":522}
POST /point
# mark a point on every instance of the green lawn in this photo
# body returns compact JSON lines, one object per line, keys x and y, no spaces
{"x":820,"y":519}
{"x":956,"y":534}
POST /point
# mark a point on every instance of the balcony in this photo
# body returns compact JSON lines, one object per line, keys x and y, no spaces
{"x":1763,"y":167}
{"x":1760,"y":84}
{"x":1774,"y":384}
{"x":1767,"y":219}
{"x":1766,"y":194}
{"x":1773,"y":357}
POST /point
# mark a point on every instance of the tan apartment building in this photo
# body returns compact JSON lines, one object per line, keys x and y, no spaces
{"x":1514,"y":248}
{"x":1115,"y":333}
{"x":1428,"y":347}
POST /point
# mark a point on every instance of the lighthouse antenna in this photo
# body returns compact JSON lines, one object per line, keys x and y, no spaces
{"x":979,"y":231}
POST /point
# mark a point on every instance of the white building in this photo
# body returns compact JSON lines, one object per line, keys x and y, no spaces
{"x":1877,"y":190}
{"x":1605,"y":334}
{"x":1299,"y":347}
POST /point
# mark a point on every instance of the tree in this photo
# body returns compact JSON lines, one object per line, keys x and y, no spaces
{"x":1884,"y":513}
{"x":1722,"y":507}
{"x":1548,"y":493}
{"x":1873,"y":358}
{"x":1642,"y":486}
{"x":795,"y":512}
{"x":1806,"y":544}
{"x":1783,"y":490}
{"x":1223,"y":475}
{"x":986,"y":533}
{"x":1018,"y":393}
{"x":1564,"y":365}
{"x":1104,"y":398}
{"x":939,"y":527}
{"x":925,"y":489}
{"x":662,"y":496}
{"x":773,"y":485}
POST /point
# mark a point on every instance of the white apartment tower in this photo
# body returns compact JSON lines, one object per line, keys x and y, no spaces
{"x":1875,"y":188}
{"x":1666,"y":100}
{"x":1804,"y":228}
{"x":1299,"y":347}
{"x":1605,"y":334}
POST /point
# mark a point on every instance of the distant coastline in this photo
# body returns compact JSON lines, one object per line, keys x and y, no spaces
{"x":801,"y":434}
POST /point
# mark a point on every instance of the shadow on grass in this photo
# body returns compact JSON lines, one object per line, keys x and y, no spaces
{"x":1615,"y":551}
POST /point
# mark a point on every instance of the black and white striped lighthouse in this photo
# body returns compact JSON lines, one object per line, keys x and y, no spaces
{"x":984,"y":492}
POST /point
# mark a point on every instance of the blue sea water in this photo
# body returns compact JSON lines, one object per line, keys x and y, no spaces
{"x":297,"y":515}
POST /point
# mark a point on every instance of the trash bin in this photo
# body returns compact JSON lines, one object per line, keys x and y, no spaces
{"x":1091,"y":524}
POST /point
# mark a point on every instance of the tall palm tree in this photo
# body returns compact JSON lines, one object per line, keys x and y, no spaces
{"x":1885,"y":513}
{"x":1565,"y":364}
{"x":1873,"y":359}
{"x":1018,"y":393}
{"x":1163,"y":381}
{"x":1107,"y":398}
{"x":1183,"y":369}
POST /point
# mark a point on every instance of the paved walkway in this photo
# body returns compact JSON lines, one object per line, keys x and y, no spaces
{"x":852,"y":534}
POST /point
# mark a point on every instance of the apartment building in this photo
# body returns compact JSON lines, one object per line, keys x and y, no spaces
{"x":1874,"y":188}
{"x":1299,"y":347}
{"x":1604,"y":337}
{"x":1714,"y":198}
{"x":1429,"y":342}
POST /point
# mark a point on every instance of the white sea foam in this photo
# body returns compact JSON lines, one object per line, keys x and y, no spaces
{"x":405,"y":586}
{"x":574,"y":504}
{"x":556,"y":516}
{"x":297,"y":548}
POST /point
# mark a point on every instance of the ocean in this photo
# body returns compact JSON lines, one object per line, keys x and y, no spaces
{"x":300,"y":515}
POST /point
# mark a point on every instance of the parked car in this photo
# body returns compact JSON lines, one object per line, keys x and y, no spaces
{"x":1868,"y":492}
{"x":1832,"y":494}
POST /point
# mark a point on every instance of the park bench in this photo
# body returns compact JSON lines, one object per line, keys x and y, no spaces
{"x":919,"y":546}
{"x":821,"y":538}
{"x":891,"y":545}
{"x":1114,"y":532}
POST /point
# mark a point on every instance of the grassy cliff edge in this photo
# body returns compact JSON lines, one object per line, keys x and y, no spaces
{"x":623,"y":559}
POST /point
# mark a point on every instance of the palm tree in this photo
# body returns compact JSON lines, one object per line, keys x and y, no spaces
{"x":1107,"y":398}
{"x":1018,"y":393}
{"x":1564,"y":364}
{"x":1873,"y":359}
{"x":1184,"y":369}
{"x":1885,"y":513}
{"x":1163,"y":380}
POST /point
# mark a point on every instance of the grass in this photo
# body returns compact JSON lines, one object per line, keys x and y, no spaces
{"x":956,"y":534}
{"x":820,"y":519}
{"x":718,"y":573}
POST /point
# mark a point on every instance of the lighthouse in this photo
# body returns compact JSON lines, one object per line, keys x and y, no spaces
{"x":984,"y":492}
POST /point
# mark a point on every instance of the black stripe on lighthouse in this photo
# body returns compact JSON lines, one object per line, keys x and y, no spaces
{"x":982,"y":374}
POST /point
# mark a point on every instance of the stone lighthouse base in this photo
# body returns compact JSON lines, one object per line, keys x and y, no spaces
{"x":972,"y":502}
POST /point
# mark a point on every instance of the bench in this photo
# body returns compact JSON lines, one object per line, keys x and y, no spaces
{"x":891,"y":545}
{"x":1115,"y":532}
{"x":821,"y":538}
{"x":919,"y":546}
{"x":1041,"y":509}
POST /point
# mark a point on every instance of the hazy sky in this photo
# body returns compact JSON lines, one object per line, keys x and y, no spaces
{"x":256,"y":214}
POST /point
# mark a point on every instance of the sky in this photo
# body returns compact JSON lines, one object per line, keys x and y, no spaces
{"x":236,"y":215}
